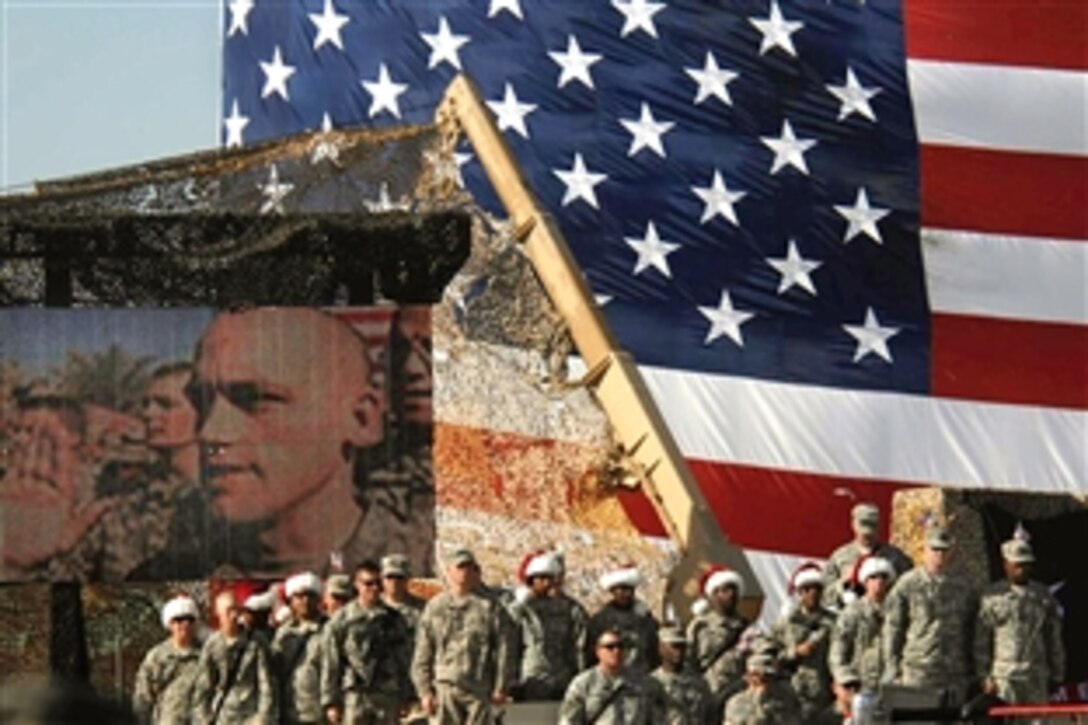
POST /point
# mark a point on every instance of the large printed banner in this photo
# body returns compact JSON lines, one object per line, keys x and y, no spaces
{"x":167,"y":444}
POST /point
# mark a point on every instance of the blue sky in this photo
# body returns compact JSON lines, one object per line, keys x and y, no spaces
{"x":90,"y":84}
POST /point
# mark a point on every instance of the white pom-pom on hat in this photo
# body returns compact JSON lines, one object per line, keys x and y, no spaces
{"x":623,"y":576}
{"x":303,"y":583}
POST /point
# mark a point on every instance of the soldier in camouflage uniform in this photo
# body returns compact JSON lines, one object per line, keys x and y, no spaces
{"x":929,"y":625}
{"x":804,"y":634}
{"x":687,"y":697}
{"x":767,"y":700}
{"x":629,"y":615}
{"x":552,"y":635}
{"x":1018,"y":641}
{"x":611,"y":693}
{"x":366,"y":655}
{"x":714,"y":636}
{"x":466,"y":653}
{"x":856,"y":641}
{"x":865,"y":522}
{"x":296,"y":652}
{"x":338,"y":592}
{"x":165,"y":680}
{"x":395,"y":575}
{"x":234,"y":678}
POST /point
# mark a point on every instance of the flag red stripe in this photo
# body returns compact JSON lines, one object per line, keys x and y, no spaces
{"x":1004,"y":192}
{"x":1010,"y":361}
{"x":1044,"y":33}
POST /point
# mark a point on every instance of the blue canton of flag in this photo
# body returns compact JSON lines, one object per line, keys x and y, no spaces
{"x":739,"y":180}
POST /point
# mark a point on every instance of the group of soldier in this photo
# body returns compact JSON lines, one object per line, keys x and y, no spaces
{"x":366,"y":651}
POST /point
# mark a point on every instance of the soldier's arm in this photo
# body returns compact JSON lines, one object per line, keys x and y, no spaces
{"x":507,"y":652}
{"x":693,"y":655}
{"x":143,"y":696}
{"x":581,"y":634}
{"x":1055,"y":649}
{"x":267,"y":692}
{"x":841,"y":655}
{"x":832,"y":584}
{"x":895,"y":633}
{"x":404,"y":657}
{"x":572,"y":711}
{"x":983,"y":641}
{"x":332,"y":665}
{"x":423,"y":656}
{"x":206,"y":682}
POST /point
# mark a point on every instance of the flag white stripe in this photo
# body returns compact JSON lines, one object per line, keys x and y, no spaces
{"x":1003,"y":276}
{"x":873,"y":435}
{"x":1000,"y":107}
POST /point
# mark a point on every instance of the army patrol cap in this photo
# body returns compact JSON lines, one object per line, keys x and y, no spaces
{"x":1017,"y":551}
{"x":463,"y":557}
{"x":672,"y":635}
{"x":866,"y":515}
{"x":394,"y":565}
{"x":339,"y":585}
{"x":760,"y":664}
{"x":937,"y":538}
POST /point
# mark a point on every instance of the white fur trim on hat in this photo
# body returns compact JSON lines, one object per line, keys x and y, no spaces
{"x":626,"y":576}
{"x":874,"y":566}
{"x":306,"y":582}
{"x":546,"y":564}
{"x":180,"y":606}
{"x":262,"y":602}
{"x":805,"y":577}
{"x":722,"y":578}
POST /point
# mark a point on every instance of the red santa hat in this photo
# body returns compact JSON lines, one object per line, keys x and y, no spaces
{"x":808,"y":573}
{"x":539,"y":563}
{"x":870,"y":566}
{"x":178,"y":607}
{"x":717,"y":576}
{"x":303,"y":583}
{"x":625,"y":575}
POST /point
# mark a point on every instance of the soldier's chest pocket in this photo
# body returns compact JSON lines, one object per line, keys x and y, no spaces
{"x":921,"y":606}
{"x":468,"y":628}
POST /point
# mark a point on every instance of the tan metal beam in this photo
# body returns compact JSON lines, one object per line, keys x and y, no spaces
{"x":617,"y":383}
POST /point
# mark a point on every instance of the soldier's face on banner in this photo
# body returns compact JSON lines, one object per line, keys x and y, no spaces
{"x":284,"y":397}
{"x":413,"y":335}
{"x":171,"y":418}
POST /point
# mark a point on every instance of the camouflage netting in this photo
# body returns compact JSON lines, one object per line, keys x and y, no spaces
{"x":523,"y":457}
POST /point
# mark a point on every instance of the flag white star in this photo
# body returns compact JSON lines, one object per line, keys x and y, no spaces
{"x":274,"y":191}
{"x":724,"y":320}
{"x":445,"y":46}
{"x":580,"y":183}
{"x":712,"y":80}
{"x":638,"y":15}
{"x":854,"y":97}
{"x":719,"y":200}
{"x":510,"y":113}
{"x":788,"y":149}
{"x":276,"y":75}
{"x":511,"y":6}
{"x":652,"y":251}
{"x":239,"y":17}
{"x":646,"y":132}
{"x":602,"y":300}
{"x":384,"y":92}
{"x":325,"y":148}
{"x":862,"y":218}
{"x":777,"y":31}
{"x":329,"y":23}
{"x":575,"y":64}
{"x":795,"y":270}
{"x":236,"y":123}
{"x":872,"y":337}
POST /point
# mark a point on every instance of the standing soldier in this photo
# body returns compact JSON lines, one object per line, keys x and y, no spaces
{"x":257,"y":613}
{"x":365,"y":657}
{"x":165,"y":680}
{"x":767,"y":700}
{"x":234,"y":679}
{"x":552,"y":636}
{"x":611,"y":693}
{"x":1018,"y":640}
{"x":338,"y":592}
{"x":630,"y":616}
{"x":687,"y":697}
{"x":395,"y":575}
{"x":855,"y":644}
{"x":928,"y":625}
{"x":296,"y":652}
{"x":465,"y":659}
{"x":714,"y":635}
{"x":804,"y":634}
{"x":865,"y":522}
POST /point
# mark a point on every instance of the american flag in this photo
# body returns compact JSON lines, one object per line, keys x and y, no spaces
{"x":843,"y":238}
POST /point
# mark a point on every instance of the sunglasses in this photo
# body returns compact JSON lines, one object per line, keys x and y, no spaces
{"x":611,"y":645}
{"x":370,"y":583}
{"x":190,"y":620}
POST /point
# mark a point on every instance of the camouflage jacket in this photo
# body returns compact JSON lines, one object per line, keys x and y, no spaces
{"x":639,"y":629}
{"x":855,"y":644}
{"x":842,"y":561}
{"x":596,"y":698}
{"x":296,"y":660}
{"x":365,"y":650}
{"x":687,"y":697}
{"x":928,"y":628}
{"x":1018,"y":634}
{"x":713,"y":649}
{"x":553,"y":644}
{"x":811,"y":678}
{"x":468,"y":641}
{"x":164,"y":685}
{"x":251,"y":696}
{"x":776,"y":705}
